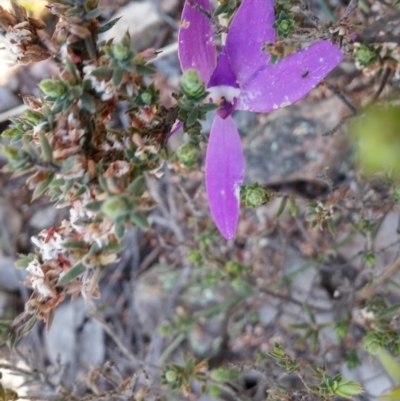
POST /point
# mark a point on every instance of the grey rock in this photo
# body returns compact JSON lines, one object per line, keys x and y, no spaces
{"x":268,"y":312}
{"x":288,"y":150}
{"x":74,"y":342}
{"x":91,"y":344}
{"x":142,"y":21}
{"x":43,"y":218}
{"x":10,"y":277}
{"x":7,"y":99}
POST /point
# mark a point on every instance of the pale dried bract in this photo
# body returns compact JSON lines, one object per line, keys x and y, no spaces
{"x":21,"y":36}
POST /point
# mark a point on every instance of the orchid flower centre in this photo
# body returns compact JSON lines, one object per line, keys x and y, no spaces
{"x":241,"y":78}
{"x":223,"y":87}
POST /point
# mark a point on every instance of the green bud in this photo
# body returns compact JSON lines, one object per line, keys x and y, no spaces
{"x":369,"y":258}
{"x":192,"y":84}
{"x":254,"y":195}
{"x":342,"y":328}
{"x":221,"y":375}
{"x":115,"y":207}
{"x":171,"y":376}
{"x":53,"y":87}
{"x":195,"y":257}
{"x":120,"y":51}
{"x":146,"y":97}
{"x":373,"y":342}
{"x":214,"y":391}
{"x":234,"y":268}
{"x":365,"y":55}
{"x":348,"y":389}
{"x":187,"y":154}
{"x":284,"y":24}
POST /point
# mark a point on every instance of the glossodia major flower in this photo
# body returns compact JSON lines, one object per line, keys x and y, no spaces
{"x":241,"y":78}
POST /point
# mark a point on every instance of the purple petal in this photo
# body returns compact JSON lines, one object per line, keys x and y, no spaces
{"x":286,"y":82}
{"x":223,"y":74}
{"x":224,"y":174}
{"x":250,"y":28}
{"x":196,"y":40}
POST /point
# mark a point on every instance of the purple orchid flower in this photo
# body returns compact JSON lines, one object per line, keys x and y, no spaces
{"x":240,"y":78}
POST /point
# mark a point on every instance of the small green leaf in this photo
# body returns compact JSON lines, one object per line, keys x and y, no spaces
{"x":369,"y":258}
{"x":102,"y":72}
{"x":33,"y":117}
{"x":145,"y":69}
{"x":119,"y":230}
{"x":192,"y":118}
{"x":293,"y":206}
{"x":10,"y":133}
{"x":47,"y":151}
{"x":10,"y":152}
{"x":82,"y":190}
{"x":139,"y":219}
{"x":24,"y":262}
{"x":117,"y":76}
{"x":71,"y":67}
{"x":206,"y":107}
{"x":88,"y":103}
{"x":95,"y":13}
{"x":29,"y":324}
{"x":74,"y":244}
{"x":113,"y":247}
{"x":137,"y":186}
{"x":72,"y":273}
{"x":94,"y":206}
{"x":331,"y":226}
{"x":282,"y":207}
{"x":41,"y":188}
{"x":107,"y":26}
{"x":221,"y":9}
{"x":13,"y":339}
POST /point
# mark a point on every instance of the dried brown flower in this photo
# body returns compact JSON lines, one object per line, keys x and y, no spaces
{"x":22,"y":36}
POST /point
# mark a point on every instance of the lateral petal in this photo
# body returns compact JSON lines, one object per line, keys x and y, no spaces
{"x":250,"y":28}
{"x":284,"y":83}
{"x":224,"y":174}
{"x":196,"y":47}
